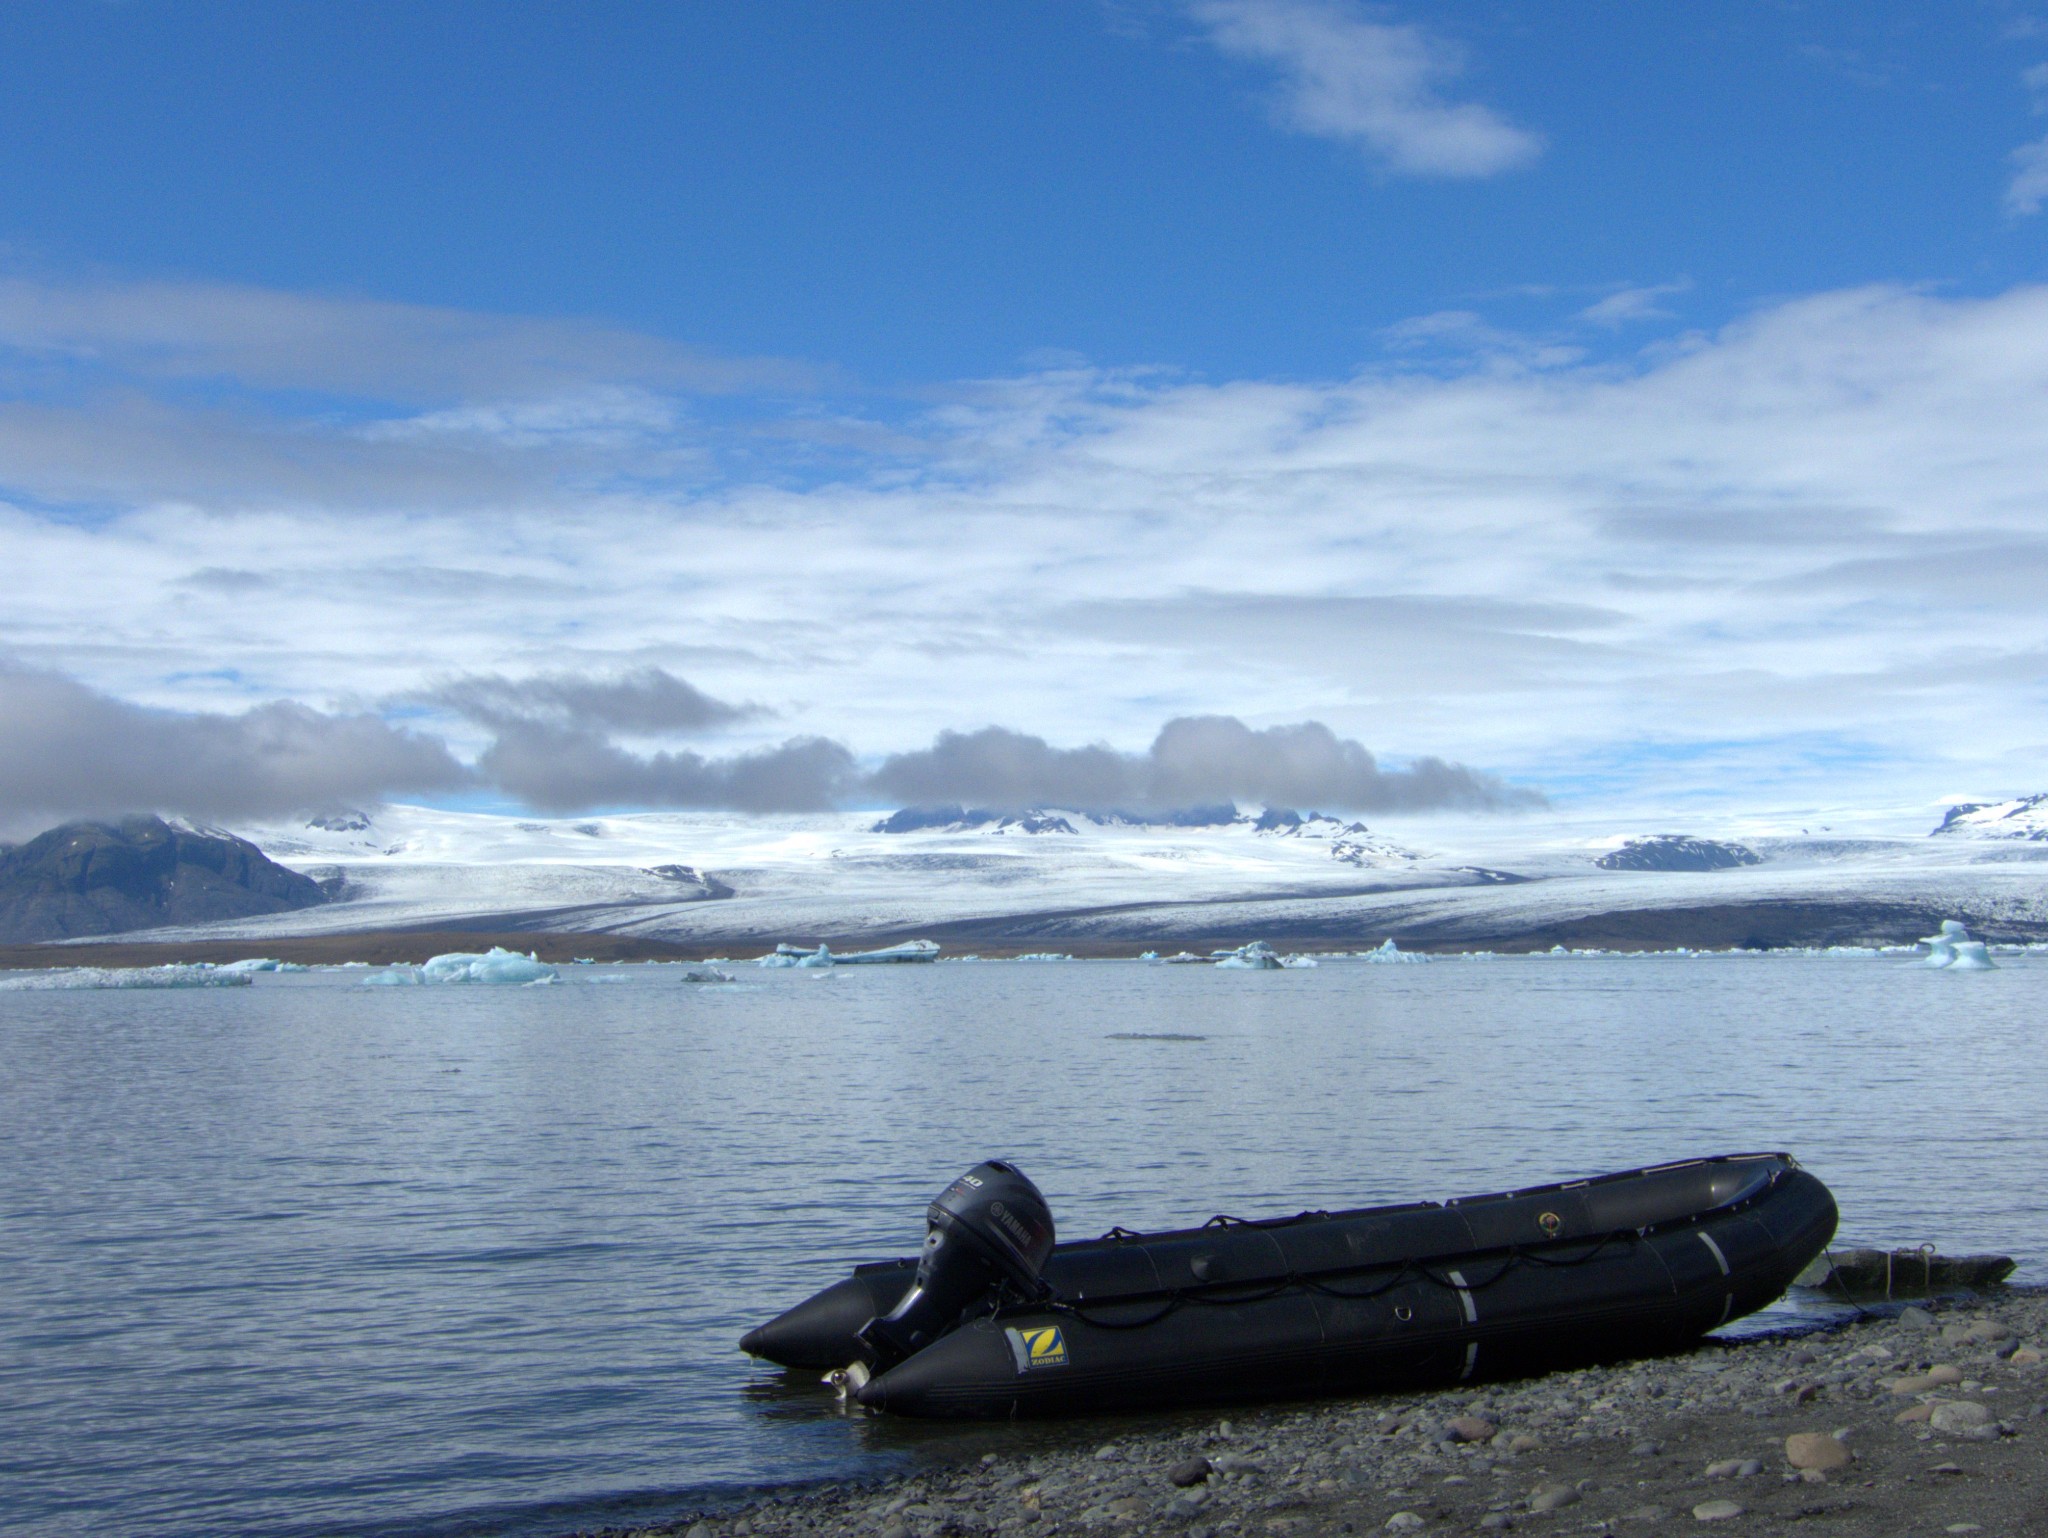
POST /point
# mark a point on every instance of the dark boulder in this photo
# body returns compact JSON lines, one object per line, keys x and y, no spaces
{"x":102,"y":878}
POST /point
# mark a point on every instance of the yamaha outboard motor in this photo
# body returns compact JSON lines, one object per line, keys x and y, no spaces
{"x":989,"y":1228}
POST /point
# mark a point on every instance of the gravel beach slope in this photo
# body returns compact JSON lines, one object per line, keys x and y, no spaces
{"x":1934,"y":1421}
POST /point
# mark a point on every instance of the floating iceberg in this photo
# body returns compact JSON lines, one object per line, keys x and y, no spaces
{"x":707,"y":974}
{"x":400,"y":976}
{"x":496,"y":965}
{"x":909,"y":950}
{"x":1256,"y":957}
{"x":261,"y":964}
{"x":797,"y":956}
{"x":1954,"y":949}
{"x":1387,"y":952}
{"x":786,"y":955}
{"x":124,"y":977}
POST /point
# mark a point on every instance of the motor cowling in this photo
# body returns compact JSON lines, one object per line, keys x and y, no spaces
{"x":990,"y":1228}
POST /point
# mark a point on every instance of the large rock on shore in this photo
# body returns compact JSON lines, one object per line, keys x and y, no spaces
{"x":105,"y":878}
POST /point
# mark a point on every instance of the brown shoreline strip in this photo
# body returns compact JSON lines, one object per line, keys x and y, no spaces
{"x":1930,"y":1421}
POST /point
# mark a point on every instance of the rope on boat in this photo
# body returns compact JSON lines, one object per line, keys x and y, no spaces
{"x":1173,"y":1299}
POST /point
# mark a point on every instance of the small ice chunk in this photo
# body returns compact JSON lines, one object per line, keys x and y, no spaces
{"x":175,"y":976}
{"x":400,"y":976}
{"x":1256,"y":957}
{"x":496,"y":965}
{"x":1387,"y":952}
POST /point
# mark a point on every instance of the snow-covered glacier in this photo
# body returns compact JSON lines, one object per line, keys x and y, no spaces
{"x":1050,"y":878}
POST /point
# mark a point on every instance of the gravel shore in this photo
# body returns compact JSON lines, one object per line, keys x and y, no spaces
{"x":1930,"y":1421}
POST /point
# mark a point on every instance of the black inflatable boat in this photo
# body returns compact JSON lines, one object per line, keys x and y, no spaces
{"x":993,"y":1320}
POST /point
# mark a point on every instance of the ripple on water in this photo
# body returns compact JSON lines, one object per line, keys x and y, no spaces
{"x":304,"y":1257}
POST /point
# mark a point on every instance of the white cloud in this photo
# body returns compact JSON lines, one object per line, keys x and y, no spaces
{"x":1625,"y":306}
{"x":1813,"y":542}
{"x":2029,"y":186}
{"x":1369,"y":84}
{"x":348,"y":344}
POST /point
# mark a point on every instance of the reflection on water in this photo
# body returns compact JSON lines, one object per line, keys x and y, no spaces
{"x":310,"y":1256}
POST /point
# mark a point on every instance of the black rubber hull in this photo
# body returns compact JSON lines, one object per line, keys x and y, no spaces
{"x":1347,"y":1303}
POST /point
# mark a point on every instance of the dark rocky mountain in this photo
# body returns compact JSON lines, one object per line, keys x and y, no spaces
{"x":1674,"y":851}
{"x":100,"y":878}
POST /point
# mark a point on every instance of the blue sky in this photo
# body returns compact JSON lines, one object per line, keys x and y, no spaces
{"x":1573,"y":391}
{"x":923,"y":193}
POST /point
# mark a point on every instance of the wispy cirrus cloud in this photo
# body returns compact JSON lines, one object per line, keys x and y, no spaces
{"x":1375,"y":85}
{"x":1626,"y":306}
{"x":230,"y":396}
{"x":1507,"y":558}
{"x":2028,"y":189}
{"x":351,"y":345}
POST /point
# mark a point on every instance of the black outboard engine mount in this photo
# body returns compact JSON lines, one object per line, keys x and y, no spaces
{"x":988,"y":1228}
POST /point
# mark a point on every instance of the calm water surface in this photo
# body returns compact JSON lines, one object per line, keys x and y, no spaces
{"x":311,"y":1257}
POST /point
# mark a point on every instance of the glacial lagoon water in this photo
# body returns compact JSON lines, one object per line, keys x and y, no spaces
{"x":310,"y":1257}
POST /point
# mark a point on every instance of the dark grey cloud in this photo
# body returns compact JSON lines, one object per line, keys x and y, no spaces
{"x":565,"y":769}
{"x":647,"y":701}
{"x":1002,"y":768}
{"x":69,"y":751}
{"x":1194,"y":760}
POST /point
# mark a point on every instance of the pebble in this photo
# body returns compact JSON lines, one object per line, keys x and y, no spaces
{"x":1961,"y":1418}
{"x":1735,"y":1468}
{"x":1342,"y":1468}
{"x":1816,"y":1450}
{"x":1915,"y":1317}
{"x":1404,"y":1522}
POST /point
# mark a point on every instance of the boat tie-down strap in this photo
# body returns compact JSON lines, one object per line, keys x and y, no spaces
{"x":1320,"y":1283}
